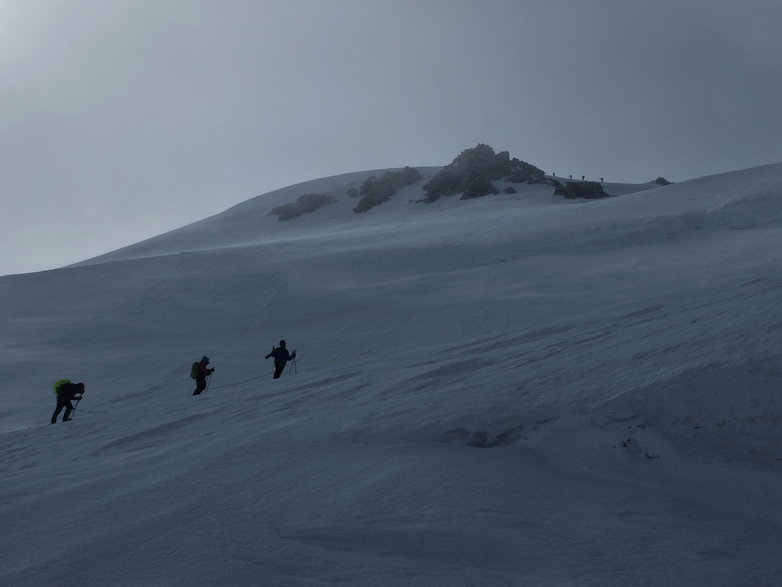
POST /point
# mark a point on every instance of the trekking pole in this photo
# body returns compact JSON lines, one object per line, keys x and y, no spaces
{"x":293,"y":368}
{"x":208,"y":381}
{"x":73,"y":411}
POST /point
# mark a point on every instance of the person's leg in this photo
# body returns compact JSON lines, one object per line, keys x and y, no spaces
{"x":58,"y":409}
{"x":278,"y":369}
{"x":68,"y":410}
{"x":200,"y":385}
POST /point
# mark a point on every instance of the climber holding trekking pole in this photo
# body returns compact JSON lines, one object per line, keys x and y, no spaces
{"x":200,"y":371}
{"x":281,"y":357}
{"x":66,"y":391}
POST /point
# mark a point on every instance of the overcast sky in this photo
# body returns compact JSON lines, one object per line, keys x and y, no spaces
{"x":122,"y":119}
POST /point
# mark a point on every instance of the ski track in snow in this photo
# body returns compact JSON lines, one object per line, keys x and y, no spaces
{"x":515,"y":390}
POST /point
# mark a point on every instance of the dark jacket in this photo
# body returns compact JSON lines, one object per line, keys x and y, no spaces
{"x":68,"y":391}
{"x":281,"y":355}
{"x":203,"y":371}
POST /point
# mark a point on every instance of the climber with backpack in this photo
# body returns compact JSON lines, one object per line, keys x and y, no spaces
{"x":200,"y":371}
{"x":65,"y":392}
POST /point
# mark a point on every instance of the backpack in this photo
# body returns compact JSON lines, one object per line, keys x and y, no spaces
{"x":58,"y":383}
{"x":194,"y":371}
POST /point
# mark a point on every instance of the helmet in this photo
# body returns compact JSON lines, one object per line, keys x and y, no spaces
{"x":204,"y":359}
{"x":282,"y":343}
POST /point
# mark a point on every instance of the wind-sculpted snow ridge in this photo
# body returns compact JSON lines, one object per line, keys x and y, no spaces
{"x":254,"y":222}
{"x":737,"y":200}
{"x":516,"y":389}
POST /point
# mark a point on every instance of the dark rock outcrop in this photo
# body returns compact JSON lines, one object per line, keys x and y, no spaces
{"x":375,"y":191}
{"x":586,"y":190}
{"x":474,"y":169}
{"x":480,"y":186}
{"x":304,"y":204}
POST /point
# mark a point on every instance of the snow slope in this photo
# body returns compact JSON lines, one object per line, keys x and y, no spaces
{"x":513,"y":390}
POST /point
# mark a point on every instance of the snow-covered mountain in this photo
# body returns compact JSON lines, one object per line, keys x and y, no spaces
{"x":517,"y":389}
